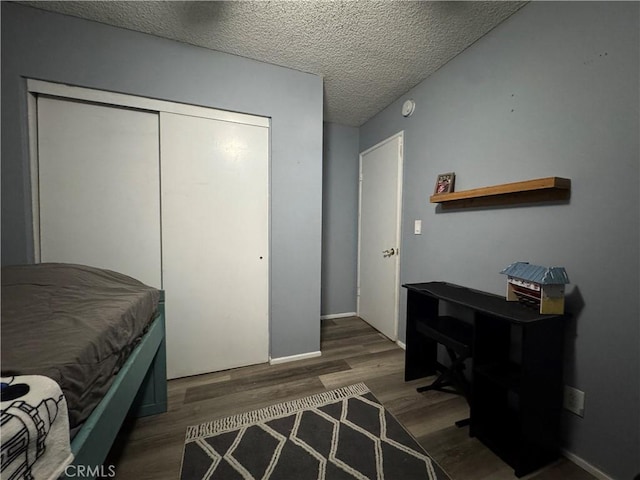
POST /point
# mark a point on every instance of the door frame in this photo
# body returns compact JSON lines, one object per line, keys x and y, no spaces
{"x":396,"y":306}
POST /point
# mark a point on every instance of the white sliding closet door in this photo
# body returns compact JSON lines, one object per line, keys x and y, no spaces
{"x":215,"y":245}
{"x":99,"y":187}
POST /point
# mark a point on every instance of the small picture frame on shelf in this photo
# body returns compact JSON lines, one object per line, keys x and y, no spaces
{"x":444,"y":184}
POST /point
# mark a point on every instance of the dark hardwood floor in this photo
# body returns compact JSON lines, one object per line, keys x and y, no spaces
{"x":352,"y":352}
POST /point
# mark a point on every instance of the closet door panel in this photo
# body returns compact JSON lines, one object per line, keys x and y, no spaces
{"x":99,"y":187}
{"x":215,"y":221}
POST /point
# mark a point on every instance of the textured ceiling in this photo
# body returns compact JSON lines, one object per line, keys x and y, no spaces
{"x":368,"y":52}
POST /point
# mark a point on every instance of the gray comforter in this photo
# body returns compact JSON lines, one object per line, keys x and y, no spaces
{"x":74,"y":324}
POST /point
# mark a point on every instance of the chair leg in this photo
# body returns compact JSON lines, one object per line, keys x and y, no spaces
{"x":452,"y":377}
{"x":458,"y":379}
{"x":439,"y":383}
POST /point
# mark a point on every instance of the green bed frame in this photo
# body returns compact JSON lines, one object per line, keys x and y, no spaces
{"x":140,"y":389}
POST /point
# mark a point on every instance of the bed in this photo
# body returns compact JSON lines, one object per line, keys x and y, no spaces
{"x":98,"y":334}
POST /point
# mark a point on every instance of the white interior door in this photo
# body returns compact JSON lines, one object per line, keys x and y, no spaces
{"x":379,"y":235}
{"x":99,"y":187}
{"x":215,"y":221}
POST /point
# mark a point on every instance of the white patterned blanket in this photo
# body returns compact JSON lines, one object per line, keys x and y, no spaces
{"x":35,"y":429}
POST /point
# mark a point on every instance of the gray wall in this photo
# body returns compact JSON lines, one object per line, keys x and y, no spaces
{"x":339,"y":219}
{"x":553,"y":91}
{"x":57,"y":48}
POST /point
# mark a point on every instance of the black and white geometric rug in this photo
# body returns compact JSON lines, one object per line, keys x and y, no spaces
{"x":341,"y":434}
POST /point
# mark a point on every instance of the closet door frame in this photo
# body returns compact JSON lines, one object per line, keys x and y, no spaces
{"x":61,"y":91}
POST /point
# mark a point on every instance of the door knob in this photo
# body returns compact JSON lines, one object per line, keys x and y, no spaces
{"x":389,"y":252}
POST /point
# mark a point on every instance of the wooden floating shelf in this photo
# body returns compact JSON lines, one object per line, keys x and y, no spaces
{"x":548,"y":189}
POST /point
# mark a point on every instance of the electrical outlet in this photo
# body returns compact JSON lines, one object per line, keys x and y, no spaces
{"x":573,"y":400}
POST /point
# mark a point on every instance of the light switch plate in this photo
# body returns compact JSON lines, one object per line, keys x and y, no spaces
{"x":417,"y":227}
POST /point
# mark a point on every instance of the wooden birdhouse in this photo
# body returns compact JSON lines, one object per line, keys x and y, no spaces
{"x":536,"y":286}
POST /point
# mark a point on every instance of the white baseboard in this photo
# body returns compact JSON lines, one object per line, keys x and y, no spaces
{"x":337,"y":315}
{"x":293,"y":358}
{"x":596,"y":472}
{"x":401,"y":345}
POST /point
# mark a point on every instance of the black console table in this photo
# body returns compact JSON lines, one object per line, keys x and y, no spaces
{"x":516,"y":388}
